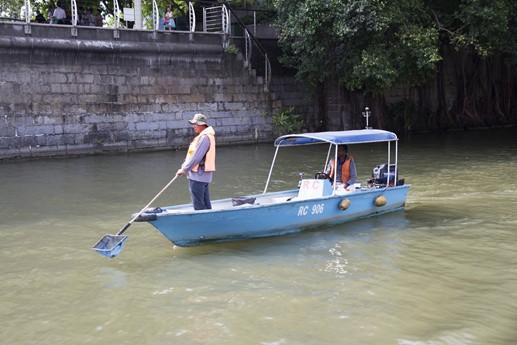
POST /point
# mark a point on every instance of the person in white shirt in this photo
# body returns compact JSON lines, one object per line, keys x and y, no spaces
{"x":59,"y":15}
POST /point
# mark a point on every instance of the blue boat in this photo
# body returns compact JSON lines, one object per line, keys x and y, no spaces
{"x":317,"y":202}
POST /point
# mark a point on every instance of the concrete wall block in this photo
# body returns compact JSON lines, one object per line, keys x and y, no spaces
{"x":175,"y":124}
{"x":70,"y":139}
{"x":179,"y":89}
{"x":52,"y":140}
{"x":87,"y":98}
{"x":209,"y":108}
{"x":146,"y":143}
{"x":111,"y":127}
{"x":95,"y":88}
{"x":289,"y":102}
{"x":263,"y":120}
{"x":140,"y":135}
{"x":129,"y":99}
{"x":243,"y":120}
{"x":76,"y":128}
{"x":56,"y":88}
{"x":71,"y":76}
{"x":240,"y":97}
{"x":10,"y":153}
{"x":7,"y":131}
{"x":233,"y":138}
{"x":96,"y":118}
{"x":234,"y":106}
{"x":199,"y":98}
{"x":207,"y":91}
{"x":147,"y":126}
{"x":116,"y":146}
{"x":117,"y":118}
{"x":58,"y":129}
{"x":118,"y":136}
{"x":132,"y":118}
{"x":234,"y":89}
{"x":84,"y":78}
{"x":83,"y":101}
{"x":71,"y":88}
{"x":45,"y":151}
{"x":7,"y":142}
{"x":57,"y":78}
{"x":17,"y":120}
{"x":158,"y":117}
{"x":175,"y":107}
{"x":83,"y":149}
{"x":35,"y":130}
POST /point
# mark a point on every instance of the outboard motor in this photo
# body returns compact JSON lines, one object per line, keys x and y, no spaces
{"x":380,"y":174}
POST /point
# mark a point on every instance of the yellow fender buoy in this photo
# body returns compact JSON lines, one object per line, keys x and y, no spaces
{"x":380,"y":201}
{"x":344,"y":204}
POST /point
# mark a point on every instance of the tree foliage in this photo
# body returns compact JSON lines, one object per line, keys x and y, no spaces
{"x":373,"y":44}
{"x":487,"y":27}
{"x":369,"y":46}
{"x":15,"y":8}
{"x":11,"y":8}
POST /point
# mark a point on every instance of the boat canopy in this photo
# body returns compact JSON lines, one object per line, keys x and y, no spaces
{"x":336,"y":137}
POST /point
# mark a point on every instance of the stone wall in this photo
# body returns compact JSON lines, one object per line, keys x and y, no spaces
{"x":95,"y":90}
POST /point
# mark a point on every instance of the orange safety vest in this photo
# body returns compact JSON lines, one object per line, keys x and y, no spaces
{"x":210,"y":155}
{"x":345,"y":169}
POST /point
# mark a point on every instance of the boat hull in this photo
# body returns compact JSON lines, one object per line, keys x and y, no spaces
{"x":272,"y":214}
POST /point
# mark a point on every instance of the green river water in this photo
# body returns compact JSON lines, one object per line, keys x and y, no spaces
{"x":443,"y":271}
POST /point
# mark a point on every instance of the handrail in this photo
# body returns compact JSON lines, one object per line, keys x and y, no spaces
{"x":211,"y":20}
{"x":116,"y":14}
{"x":73,"y":5}
{"x":28,"y":11}
{"x":267,"y":63}
{"x":156,"y":16}
{"x":248,"y":46}
{"x":192,"y":17}
{"x":267,"y":72}
{"x":226,"y":20}
{"x":249,"y":37}
{"x":215,"y":19}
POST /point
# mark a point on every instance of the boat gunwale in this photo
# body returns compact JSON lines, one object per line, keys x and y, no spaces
{"x":186,"y":209}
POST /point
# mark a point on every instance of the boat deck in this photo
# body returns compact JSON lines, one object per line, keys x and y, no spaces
{"x":261,"y":200}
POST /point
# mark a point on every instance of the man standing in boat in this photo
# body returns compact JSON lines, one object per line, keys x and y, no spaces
{"x":345,"y":172}
{"x":199,"y":164}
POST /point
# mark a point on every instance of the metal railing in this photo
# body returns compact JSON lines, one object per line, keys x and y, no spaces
{"x":216,"y":19}
{"x":73,"y":5}
{"x":192,"y":17}
{"x":248,"y":47}
{"x":156,"y":16}
{"x":28,"y":11}
{"x":116,"y":14}
{"x":249,"y":42}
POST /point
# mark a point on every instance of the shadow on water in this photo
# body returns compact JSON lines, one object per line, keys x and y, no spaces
{"x":315,"y":237}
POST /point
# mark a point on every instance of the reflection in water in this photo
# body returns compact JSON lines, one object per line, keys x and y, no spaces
{"x":339,"y":264}
{"x":441,"y":272}
{"x":114,"y":278}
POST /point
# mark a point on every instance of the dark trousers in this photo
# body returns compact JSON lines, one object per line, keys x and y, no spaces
{"x":200,"y":195}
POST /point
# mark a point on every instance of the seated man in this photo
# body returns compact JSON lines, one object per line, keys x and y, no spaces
{"x":346,"y":172}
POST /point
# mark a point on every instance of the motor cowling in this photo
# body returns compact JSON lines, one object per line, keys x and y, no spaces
{"x":380,"y":172}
